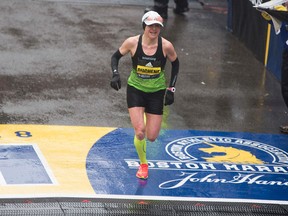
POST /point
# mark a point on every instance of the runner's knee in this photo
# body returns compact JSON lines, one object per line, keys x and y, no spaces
{"x":140,"y":133}
{"x":151,"y":138}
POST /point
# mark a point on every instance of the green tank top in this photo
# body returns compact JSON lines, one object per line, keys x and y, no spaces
{"x":147,"y":74}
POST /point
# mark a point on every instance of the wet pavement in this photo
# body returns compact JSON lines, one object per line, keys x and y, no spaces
{"x":55,"y":67}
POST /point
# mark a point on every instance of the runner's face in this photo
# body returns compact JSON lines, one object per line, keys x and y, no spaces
{"x":153,"y":30}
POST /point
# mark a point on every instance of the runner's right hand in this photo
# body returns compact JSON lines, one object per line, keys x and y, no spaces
{"x":116,"y":82}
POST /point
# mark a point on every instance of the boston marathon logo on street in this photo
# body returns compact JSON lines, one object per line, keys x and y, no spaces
{"x":249,"y":160}
{"x":187,"y":163}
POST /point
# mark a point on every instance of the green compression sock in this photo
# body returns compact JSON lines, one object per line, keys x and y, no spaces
{"x":140,"y":146}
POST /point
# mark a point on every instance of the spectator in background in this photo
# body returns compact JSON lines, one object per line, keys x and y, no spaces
{"x":284,"y":67}
{"x":161,"y":7}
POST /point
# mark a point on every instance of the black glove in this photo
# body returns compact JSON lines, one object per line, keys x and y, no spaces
{"x":115,"y":81}
{"x":169,"y":97}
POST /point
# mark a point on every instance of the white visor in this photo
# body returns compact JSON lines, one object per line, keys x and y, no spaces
{"x":152,"y":17}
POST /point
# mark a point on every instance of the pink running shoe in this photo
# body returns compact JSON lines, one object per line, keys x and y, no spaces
{"x":142,"y":172}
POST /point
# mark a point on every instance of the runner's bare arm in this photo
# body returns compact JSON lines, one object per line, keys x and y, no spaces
{"x":129,"y":45}
{"x":170,"y":53}
{"x":169,"y":50}
{"x":126,"y":47}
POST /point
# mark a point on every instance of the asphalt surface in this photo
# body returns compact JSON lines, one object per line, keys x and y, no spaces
{"x":55,"y":67}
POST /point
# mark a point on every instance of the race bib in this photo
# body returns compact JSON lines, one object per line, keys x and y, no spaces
{"x":148,"y":72}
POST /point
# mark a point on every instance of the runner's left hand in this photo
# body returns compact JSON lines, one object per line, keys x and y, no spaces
{"x":169,"y":97}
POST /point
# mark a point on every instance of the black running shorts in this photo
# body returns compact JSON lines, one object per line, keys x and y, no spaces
{"x":153,"y":102}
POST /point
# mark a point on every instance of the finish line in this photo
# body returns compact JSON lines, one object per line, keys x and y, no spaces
{"x":44,"y":161}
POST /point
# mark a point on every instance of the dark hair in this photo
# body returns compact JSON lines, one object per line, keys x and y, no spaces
{"x":143,"y":25}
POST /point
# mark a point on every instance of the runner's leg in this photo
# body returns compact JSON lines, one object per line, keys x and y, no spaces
{"x":138,"y":123}
{"x":153,"y":126}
